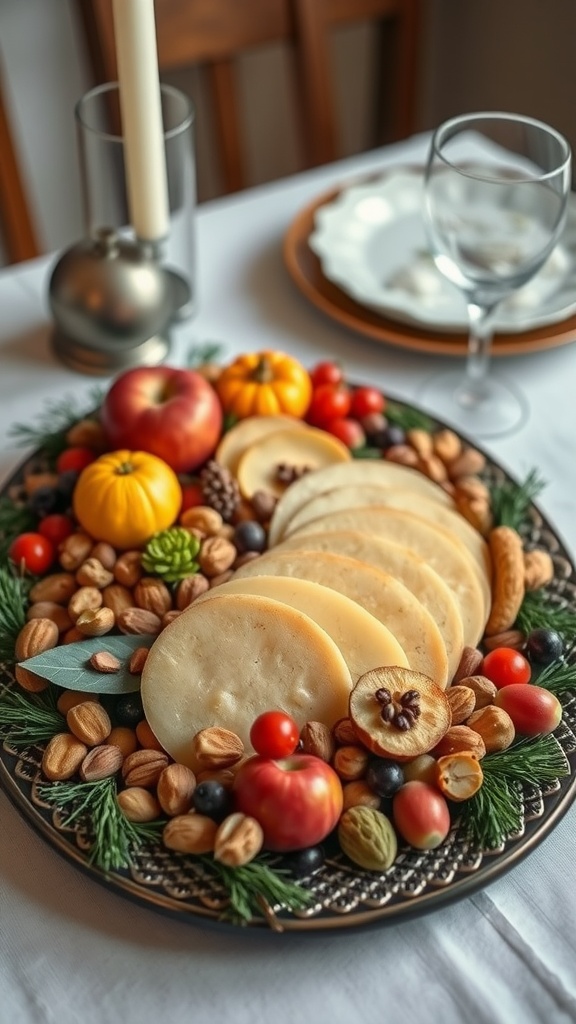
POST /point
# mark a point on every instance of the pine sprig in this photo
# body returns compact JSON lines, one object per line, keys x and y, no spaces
{"x":510,"y":502}
{"x":207,"y":352}
{"x":13,"y":596}
{"x":496,"y":810}
{"x":559,"y":678}
{"x":49,"y":433}
{"x":14,"y":519}
{"x":256,"y":881}
{"x":408,"y":418}
{"x":113,"y":836}
{"x":540,"y":610}
{"x":29,"y":719}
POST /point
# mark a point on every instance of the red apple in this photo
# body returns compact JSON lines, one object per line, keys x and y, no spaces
{"x":297,"y":799}
{"x":172,"y":413}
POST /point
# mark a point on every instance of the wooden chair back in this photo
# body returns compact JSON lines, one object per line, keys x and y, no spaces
{"x":16,"y":221}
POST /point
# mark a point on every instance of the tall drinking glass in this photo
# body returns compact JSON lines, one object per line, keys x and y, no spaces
{"x":492,"y":219}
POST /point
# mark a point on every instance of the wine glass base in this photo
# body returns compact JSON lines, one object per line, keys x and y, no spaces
{"x":500,"y":410}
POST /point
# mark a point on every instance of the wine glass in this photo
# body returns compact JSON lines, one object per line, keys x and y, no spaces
{"x":495,"y":194}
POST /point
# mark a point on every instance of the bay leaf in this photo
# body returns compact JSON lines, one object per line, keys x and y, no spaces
{"x":69,"y":666}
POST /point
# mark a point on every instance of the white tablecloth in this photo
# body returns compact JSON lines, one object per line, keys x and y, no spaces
{"x":72,"y":951}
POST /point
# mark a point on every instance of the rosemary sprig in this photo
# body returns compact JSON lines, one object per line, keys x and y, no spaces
{"x":540,"y":610}
{"x":114,"y":837}
{"x":408,"y":418}
{"x":247,"y":886}
{"x":29,"y":719}
{"x":49,"y":434}
{"x":511,"y":502}
{"x":13,"y":594}
{"x":559,"y":678}
{"x":14,"y":519}
{"x":207,"y":352}
{"x":495,"y":811}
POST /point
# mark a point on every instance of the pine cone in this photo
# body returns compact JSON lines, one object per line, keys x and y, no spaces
{"x":220,"y":489}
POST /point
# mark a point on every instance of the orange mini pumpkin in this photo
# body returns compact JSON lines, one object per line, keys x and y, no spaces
{"x":125,"y":497}
{"x":264,"y":384}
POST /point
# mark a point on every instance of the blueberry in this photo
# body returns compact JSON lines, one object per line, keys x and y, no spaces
{"x":544,"y":646}
{"x":45,"y":500}
{"x":129,"y":710}
{"x":304,"y":862}
{"x":212,"y":799}
{"x":66,"y":484}
{"x":384,"y":777}
{"x":391,"y":435}
{"x":249,"y":536}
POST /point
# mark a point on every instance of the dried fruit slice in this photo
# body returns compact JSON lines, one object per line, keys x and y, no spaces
{"x":302,"y":450}
{"x":398,"y":693}
{"x":246,"y":432}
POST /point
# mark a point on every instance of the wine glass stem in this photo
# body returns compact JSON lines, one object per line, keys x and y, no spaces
{"x":474,"y":388}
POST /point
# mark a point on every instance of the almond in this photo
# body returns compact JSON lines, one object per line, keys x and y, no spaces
{"x":470,"y":662}
{"x":483,"y":689}
{"x":138,"y":660}
{"x":57,"y":587}
{"x":495,"y":727}
{"x":144,"y":768}
{"x":459,"y":738}
{"x":216,"y":555}
{"x":189,"y":589}
{"x":462,"y":701}
{"x":124,"y":738}
{"x":175,"y":789}
{"x":138,"y":804}
{"x":30,"y":681}
{"x":69,"y":698}
{"x":138,"y":621}
{"x":74,"y":550}
{"x":104,"y":661}
{"x":118,"y":598}
{"x":190,"y":833}
{"x":50,"y":610}
{"x":359,"y":794}
{"x":37,"y":636}
{"x":105,"y":554}
{"x":63,"y":756}
{"x":317,"y":739}
{"x":153,"y":595}
{"x":216,"y":748}
{"x":128,"y":568}
{"x":89,"y":722}
{"x":101,"y":762}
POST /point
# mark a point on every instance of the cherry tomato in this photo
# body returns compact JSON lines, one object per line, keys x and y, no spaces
{"x":329,"y":402}
{"x":74,"y":458}
{"x":274,"y":734}
{"x":326,"y":373}
{"x":366,"y":401}
{"x":56,"y":527}
{"x":504,"y":666}
{"x":348,"y":431}
{"x":31,"y":552}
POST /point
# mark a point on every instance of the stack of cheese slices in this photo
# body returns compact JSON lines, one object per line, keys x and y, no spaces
{"x":368,"y":564}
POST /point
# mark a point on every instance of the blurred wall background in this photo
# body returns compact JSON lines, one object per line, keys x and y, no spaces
{"x":507,"y":54}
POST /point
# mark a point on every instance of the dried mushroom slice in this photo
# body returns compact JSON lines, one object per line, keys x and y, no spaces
{"x":398,"y":713}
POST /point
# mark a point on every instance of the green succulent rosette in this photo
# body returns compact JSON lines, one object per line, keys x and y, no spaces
{"x":171,"y":554}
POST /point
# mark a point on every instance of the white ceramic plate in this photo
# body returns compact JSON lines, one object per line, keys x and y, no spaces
{"x":371,"y":243}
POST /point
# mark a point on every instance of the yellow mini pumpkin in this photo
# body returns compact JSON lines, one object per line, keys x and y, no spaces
{"x":264,"y":384}
{"x":125,"y":497}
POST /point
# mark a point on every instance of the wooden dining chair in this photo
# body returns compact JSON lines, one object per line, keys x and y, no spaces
{"x":17,"y":228}
{"x":211,"y":33}
{"x":397,"y":28}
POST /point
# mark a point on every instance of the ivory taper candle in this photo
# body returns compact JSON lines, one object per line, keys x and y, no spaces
{"x":141,"y":109}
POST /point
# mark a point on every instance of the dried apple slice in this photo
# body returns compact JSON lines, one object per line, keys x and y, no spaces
{"x":398,"y":713}
{"x":246,"y":432}
{"x":301,"y":450}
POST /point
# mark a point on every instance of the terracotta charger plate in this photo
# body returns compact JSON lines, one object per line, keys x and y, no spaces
{"x":305,"y":269}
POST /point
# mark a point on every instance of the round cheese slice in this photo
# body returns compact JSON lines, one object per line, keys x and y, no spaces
{"x":356,"y":473}
{"x":354,"y":497}
{"x":423,"y":581}
{"x":428,"y":540}
{"x":223,"y":662}
{"x":378,"y":593}
{"x":364,"y":641}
